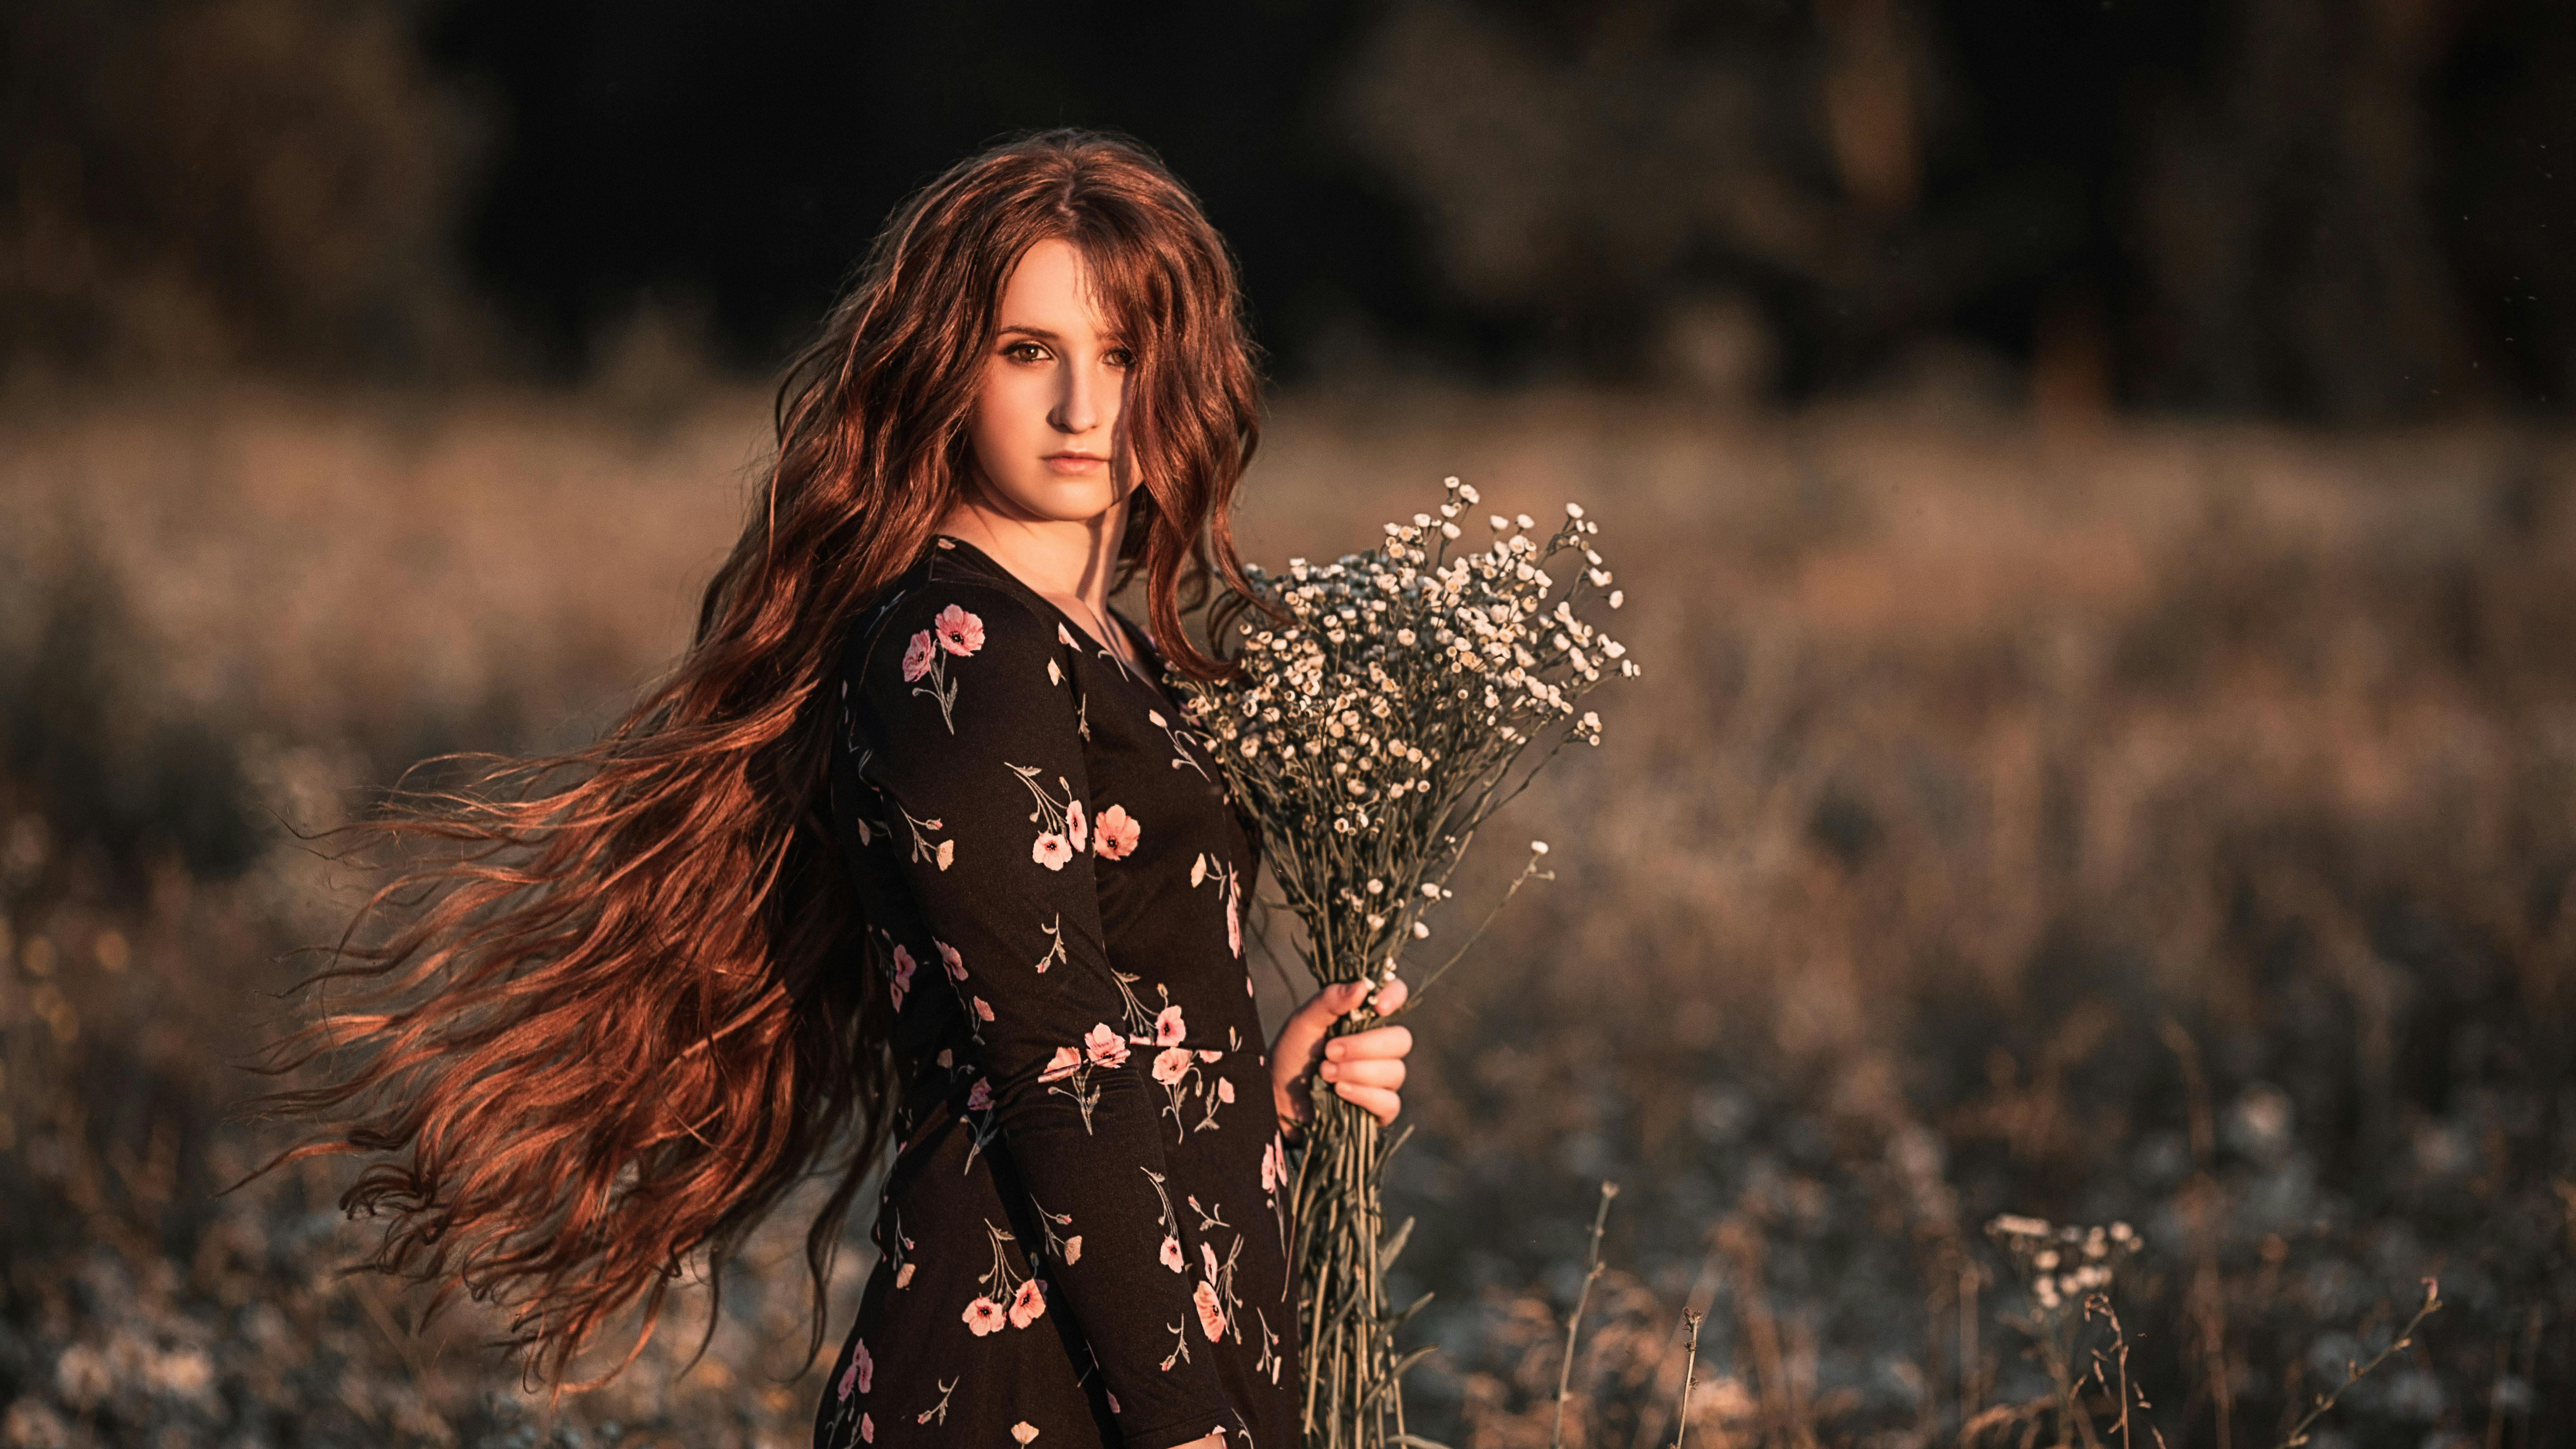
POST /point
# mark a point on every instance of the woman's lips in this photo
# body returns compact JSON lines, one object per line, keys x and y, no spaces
{"x":1073,"y":462}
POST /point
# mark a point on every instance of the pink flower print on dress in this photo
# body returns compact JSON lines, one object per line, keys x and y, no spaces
{"x":983,"y":1008}
{"x":902,"y":975}
{"x":1209,"y":1054}
{"x":1211,"y":1313}
{"x":1207,"y":1255}
{"x":1028,"y":1305}
{"x":949,"y":958}
{"x":984,"y":1316}
{"x":1225,"y":1089}
{"x":1062,"y":1065}
{"x":1168,"y":1026}
{"x":1106,"y":1047}
{"x":959,"y":632}
{"x":1115,"y":834}
{"x":867,"y":1429}
{"x":1073,"y":1249}
{"x":1074,"y":828}
{"x":903,"y":1275}
{"x":1024,"y":1431}
{"x":1053,"y":817}
{"x":979,"y":1097}
{"x":918,"y":656}
{"x":1234,"y":919}
{"x":1171,"y":1065}
{"x":1272,"y":1159}
{"x":1172,"y":1258}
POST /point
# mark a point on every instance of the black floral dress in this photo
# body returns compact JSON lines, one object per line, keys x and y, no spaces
{"x":1084,"y":1234}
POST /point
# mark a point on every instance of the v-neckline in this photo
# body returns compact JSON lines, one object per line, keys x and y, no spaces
{"x":1144,"y":644}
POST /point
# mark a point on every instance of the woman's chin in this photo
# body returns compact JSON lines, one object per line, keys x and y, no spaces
{"x":1066,"y":500}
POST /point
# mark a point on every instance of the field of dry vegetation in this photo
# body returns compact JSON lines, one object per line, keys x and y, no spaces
{"x":2146,"y":823}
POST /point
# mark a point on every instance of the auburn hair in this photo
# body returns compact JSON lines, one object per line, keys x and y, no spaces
{"x":608,"y":1007}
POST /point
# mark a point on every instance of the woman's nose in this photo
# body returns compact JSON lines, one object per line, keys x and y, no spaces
{"x":1077,"y":408}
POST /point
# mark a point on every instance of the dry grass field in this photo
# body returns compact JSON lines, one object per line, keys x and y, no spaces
{"x":2148,"y":823}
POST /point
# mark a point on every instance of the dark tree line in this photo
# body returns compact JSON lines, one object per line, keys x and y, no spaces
{"x":2344,"y":210}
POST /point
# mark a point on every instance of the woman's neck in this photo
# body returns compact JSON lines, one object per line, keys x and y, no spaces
{"x":1070,"y":562}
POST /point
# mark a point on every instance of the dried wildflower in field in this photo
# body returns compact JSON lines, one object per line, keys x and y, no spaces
{"x":2062,"y":1264}
{"x":1382,"y":717}
{"x":2068,"y":1271}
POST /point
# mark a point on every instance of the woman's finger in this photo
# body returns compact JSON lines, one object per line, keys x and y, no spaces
{"x":1378,"y":1102}
{"x":1366,"y":1072}
{"x":1377,"y":1041}
{"x":1390,"y":996}
{"x":1333,"y":1001}
{"x":1307,"y":1024}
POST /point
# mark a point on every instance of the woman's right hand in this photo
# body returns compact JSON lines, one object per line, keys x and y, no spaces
{"x":1366,"y":1068}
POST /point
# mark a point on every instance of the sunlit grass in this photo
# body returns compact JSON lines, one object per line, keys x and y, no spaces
{"x":2164,"y":823}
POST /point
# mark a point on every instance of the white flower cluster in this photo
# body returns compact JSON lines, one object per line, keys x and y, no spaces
{"x":2062,"y":1264}
{"x":1382,"y":706}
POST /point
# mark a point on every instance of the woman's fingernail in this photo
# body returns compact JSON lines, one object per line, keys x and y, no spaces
{"x":1331,"y":1071}
{"x":1333,"y":1050}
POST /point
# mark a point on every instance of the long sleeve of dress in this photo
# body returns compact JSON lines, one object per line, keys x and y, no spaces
{"x":966,"y":724}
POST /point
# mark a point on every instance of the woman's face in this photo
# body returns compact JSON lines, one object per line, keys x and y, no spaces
{"x":1046,"y":435}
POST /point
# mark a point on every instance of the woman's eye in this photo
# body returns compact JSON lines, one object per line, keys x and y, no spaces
{"x":1015,"y":350}
{"x":1119,"y":357}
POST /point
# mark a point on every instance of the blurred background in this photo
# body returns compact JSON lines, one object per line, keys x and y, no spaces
{"x":2092,"y":482}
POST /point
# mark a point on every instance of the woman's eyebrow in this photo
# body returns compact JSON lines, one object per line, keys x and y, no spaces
{"x":1114,"y":339}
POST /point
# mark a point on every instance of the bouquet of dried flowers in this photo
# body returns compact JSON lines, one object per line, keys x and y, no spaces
{"x":1386,"y":709}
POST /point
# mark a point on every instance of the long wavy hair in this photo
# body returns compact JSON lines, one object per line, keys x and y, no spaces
{"x":608,"y":1008}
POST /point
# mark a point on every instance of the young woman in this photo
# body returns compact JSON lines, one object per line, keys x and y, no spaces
{"x":913,"y":842}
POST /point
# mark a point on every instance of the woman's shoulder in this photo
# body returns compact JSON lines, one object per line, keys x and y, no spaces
{"x":945,"y":614}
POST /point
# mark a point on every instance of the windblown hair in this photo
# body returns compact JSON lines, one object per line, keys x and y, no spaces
{"x":611,"y":1007}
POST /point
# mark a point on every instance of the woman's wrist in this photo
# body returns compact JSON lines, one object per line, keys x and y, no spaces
{"x":1284,"y":1103}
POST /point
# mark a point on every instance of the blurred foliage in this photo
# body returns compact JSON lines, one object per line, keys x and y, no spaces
{"x":2335,"y":212}
{"x":2345,"y":213}
{"x":93,"y":748}
{"x":202,"y":185}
